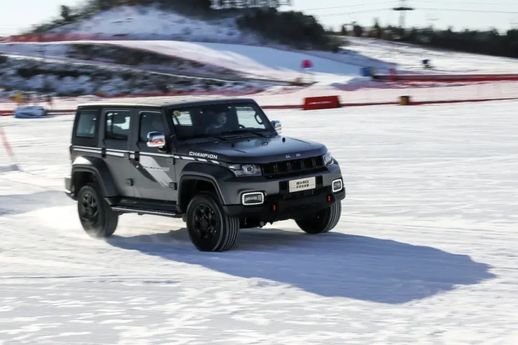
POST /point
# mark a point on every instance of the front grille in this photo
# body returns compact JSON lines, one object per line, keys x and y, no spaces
{"x":293,"y":167}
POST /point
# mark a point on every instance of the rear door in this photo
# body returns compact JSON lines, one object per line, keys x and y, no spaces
{"x":154,"y":168}
{"x":115,"y":147}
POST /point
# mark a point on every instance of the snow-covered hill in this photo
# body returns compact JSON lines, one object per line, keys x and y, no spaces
{"x":239,"y":62}
{"x":149,"y":22}
{"x":70,"y":77}
{"x":252,"y":61}
{"x":235,"y":62}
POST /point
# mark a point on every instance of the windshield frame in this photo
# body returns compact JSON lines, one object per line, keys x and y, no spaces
{"x":269,"y":130}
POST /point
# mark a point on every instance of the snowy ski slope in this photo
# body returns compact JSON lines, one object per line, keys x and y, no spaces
{"x":408,"y":58}
{"x":249,"y":61}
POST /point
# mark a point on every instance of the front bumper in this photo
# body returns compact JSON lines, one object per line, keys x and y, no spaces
{"x":68,"y":188}
{"x":287,"y":206}
{"x":231,"y":188}
{"x":279,"y":203}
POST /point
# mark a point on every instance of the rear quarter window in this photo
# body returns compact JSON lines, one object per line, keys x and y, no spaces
{"x":87,"y":124}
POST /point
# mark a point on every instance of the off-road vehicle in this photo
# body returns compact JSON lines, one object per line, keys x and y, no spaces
{"x":220,"y":165}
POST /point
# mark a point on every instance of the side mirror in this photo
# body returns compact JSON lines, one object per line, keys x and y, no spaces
{"x":277,"y":126}
{"x":156,"y":139}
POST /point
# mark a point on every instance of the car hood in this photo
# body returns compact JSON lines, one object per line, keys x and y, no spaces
{"x":253,"y":150}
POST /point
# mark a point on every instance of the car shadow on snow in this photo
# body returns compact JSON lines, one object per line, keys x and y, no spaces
{"x":330,"y":265}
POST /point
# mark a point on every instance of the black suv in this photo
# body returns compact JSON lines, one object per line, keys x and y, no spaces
{"x":220,"y":165}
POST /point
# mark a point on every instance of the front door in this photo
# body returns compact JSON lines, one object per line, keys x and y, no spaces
{"x":155,"y":167}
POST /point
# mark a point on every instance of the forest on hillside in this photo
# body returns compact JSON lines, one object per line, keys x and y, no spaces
{"x":490,"y":42}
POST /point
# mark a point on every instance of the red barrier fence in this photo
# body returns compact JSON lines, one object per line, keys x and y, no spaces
{"x":447,"y":78}
{"x":325,"y":102}
{"x":50,"y":37}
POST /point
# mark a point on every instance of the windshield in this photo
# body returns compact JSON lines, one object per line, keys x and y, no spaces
{"x":216,"y":120}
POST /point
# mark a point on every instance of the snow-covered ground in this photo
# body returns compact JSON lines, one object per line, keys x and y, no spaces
{"x":425,"y":253}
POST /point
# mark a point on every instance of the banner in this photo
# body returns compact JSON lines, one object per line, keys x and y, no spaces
{"x":236,"y":4}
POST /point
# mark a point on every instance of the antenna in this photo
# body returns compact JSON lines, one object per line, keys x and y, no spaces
{"x":402,"y":9}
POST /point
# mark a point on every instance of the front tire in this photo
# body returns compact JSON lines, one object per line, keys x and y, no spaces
{"x":96,"y":216}
{"x":322,"y":221}
{"x":210,"y":229}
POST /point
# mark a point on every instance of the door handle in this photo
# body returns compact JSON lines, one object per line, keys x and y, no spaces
{"x":134,"y":156}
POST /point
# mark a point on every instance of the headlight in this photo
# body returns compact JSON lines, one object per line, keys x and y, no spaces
{"x":328,"y":159}
{"x":245,"y":169}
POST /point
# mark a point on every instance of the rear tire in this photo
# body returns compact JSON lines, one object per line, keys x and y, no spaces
{"x":96,"y":216}
{"x":210,"y":229}
{"x":322,"y":221}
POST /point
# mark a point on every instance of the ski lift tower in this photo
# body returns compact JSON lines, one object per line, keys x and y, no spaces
{"x":403,"y":8}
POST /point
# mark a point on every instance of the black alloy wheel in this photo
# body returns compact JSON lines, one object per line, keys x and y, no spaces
{"x":210,"y":229}
{"x":88,"y":208}
{"x":206,"y":223}
{"x":96,"y":216}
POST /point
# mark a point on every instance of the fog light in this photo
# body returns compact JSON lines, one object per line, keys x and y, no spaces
{"x":253,"y":198}
{"x":338,"y":185}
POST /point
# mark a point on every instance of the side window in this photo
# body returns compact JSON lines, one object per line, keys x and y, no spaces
{"x":86,"y":124}
{"x":183,"y":121}
{"x":248,"y":118}
{"x":117,"y":125}
{"x":182,"y":118}
{"x":150,"y":122}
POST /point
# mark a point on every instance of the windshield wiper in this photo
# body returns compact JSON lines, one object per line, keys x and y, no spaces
{"x":228,"y":136}
{"x":258,"y":132}
{"x":209,"y":136}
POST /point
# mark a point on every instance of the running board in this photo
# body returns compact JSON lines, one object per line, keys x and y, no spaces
{"x":125,"y":209}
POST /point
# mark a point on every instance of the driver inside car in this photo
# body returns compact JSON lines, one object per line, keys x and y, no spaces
{"x":219,"y":123}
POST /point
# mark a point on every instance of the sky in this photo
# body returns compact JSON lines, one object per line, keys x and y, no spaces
{"x":459,"y":14}
{"x":19,"y":15}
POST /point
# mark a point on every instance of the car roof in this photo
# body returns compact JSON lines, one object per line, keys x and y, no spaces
{"x":165,"y":102}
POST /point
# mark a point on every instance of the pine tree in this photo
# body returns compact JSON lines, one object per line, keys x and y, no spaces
{"x":65,"y":13}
